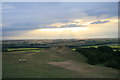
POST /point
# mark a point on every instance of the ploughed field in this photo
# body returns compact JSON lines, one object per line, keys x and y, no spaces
{"x":56,"y":62}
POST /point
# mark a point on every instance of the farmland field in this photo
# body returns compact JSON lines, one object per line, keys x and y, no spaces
{"x":24,"y":49}
{"x":102,"y":45}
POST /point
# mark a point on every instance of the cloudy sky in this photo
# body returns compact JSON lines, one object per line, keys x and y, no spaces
{"x":59,"y":20}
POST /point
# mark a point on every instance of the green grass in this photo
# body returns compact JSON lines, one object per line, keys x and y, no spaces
{"x":12,"y":49}
{"x":73,"y":49}
{"x":115,"y":48}
{"x":36,"y":65}
{"x":24,"y":49}
{"x":98,"y":46}
{"x":88,"y":46}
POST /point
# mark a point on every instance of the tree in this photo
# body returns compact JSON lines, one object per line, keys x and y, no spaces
{"x":105,"y":49}
{"x":92,"y":58}
{"x":113,"y":63}
{"x":101,"y":57}
{"x":4,"y":50}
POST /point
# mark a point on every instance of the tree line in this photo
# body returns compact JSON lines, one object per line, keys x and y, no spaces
{"x":104,"y":55}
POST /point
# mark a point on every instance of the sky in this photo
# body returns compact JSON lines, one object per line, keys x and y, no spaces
{"x":59,"y":20}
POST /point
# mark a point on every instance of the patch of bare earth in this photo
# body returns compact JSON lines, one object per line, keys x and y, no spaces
{"x":86,"y":70}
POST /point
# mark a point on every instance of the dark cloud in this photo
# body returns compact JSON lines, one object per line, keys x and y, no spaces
{"x":64,"y":21}
{"x":100,"y":22}
{"x":72,"y":25}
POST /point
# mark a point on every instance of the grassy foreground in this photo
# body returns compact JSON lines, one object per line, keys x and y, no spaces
{"x":60,"y":62}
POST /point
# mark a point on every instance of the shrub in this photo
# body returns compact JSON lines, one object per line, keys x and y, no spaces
{"x":92,"y":58}
{"x":105,"y":49}
{"x":113,"y":63}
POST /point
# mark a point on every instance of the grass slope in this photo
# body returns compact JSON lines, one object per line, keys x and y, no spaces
{"x":57,"y":62}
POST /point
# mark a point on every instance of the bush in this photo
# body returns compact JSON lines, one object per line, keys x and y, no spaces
{"x":101,"y":55}
{"x":113,"y":63}
{"x":105,"y":49}
{"x":4,"y":50}
{"x":92,"y":58}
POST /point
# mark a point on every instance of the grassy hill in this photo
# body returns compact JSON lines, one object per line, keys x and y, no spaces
{"x":56,"y":62}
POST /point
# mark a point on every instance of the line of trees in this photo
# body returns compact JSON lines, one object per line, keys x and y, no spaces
{"x":101,"y":55}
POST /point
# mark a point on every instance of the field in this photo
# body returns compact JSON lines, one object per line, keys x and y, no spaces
{"x":97,"y":46}
{"x":115,"y":47}
{"x":23,"y":49}
{"x":56,"y":62}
